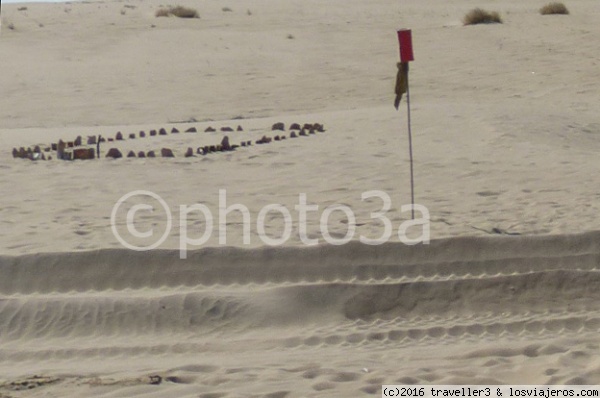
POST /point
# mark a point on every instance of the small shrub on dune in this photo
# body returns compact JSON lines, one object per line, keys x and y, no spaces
{"x":554,"y":8}
{"x":161,"y":12}
{"x":179,"y":11}
{"x":184,"y":12}
{"x":479,"y":16}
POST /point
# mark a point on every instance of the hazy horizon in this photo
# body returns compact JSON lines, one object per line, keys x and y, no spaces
{"x":38,"y":1}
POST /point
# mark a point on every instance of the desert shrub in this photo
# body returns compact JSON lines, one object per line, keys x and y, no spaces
{"x":179,"y":11}
{"x":478,"y":16}
{"x":226,"y":9}
{"x":162,"y":12}
{"x":554,"y":8}
{"x":184,"y":12}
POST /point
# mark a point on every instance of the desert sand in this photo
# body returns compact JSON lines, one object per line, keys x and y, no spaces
{"x":505,"y":143}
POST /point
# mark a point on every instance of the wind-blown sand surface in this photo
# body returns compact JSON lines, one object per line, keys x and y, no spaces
{"x":505,"y":129}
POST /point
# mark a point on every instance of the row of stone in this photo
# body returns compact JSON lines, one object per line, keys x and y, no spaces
{"x":32,"y":154}
{"x":89,"y":153}
{"x":224,"y":146}
{"x":295,"y":126}
{"x":92,"y":139}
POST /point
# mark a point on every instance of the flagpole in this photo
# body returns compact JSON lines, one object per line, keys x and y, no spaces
{"x":412,"y":180}
{"x":406,"y":55}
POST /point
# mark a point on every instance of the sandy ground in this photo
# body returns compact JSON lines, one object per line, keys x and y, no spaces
{"x":505,"y":143}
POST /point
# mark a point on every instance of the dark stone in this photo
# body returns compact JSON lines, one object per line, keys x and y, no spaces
{"x":295,"y":126}
{"x":166,"y":153}
{"x":114,"y":153}
{"x":209,"y":130}
{"x":278,"y":126}
{"x":141,"y":154}
{"x":131,"y":154}
{"x":151,"y":154}
{"x":60,"y":150}
{"x":155,"y":380}
{"x":225,"y":144}
{"x":264,"y":140}
{"x":191,"y":130}
{"x":119,"y":136}
{"x":162,"y":132}
{"x":189,"y":153}
{"x":77,"y":141}
{"x":174,"y":131}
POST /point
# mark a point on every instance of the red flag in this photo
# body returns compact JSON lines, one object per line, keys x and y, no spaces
{"x":406,"y":55}
{"x":405,"y":41}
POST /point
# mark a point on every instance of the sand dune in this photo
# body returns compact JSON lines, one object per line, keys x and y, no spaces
{"x":515,"y":302}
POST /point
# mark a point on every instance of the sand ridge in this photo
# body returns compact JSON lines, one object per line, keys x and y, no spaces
{"x":505,"y":143}
{"x":496,"y":294}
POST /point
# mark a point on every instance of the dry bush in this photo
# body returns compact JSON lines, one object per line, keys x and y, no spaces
{"x":184,"y":12}
{"x":161,"y":12}
{"x":478,"y":16}
{"x":179,"y":11}
{"x":554,"y":8}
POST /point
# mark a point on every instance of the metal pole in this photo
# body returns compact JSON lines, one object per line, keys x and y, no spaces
{"x":412,"y":181}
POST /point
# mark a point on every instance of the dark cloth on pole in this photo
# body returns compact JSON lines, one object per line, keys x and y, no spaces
{"x":401,"y":82}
